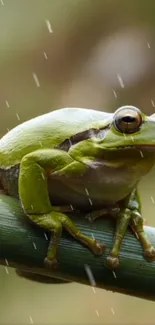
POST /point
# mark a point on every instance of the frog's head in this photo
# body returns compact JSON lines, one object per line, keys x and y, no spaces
{"x":129,"y":127}
{"x":129,"y":138}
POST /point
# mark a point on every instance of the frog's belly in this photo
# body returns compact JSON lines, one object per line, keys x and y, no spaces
{"x":96,"y":188}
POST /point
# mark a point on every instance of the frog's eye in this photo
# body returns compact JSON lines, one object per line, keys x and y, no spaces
{"x":128,"y":119}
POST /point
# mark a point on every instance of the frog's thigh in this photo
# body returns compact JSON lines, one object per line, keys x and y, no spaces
{"x":33,"y":188}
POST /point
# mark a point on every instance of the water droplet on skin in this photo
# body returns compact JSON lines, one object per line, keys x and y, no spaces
{"x":90,"y":275}
{"x":36,"y":79}
{"x":120,"y":80}
{"x":49,"y":26}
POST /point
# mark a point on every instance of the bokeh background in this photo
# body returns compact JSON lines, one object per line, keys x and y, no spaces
{"x":85,"y":53}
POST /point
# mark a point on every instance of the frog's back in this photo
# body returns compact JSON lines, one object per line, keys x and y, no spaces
{"x":47,"y":131}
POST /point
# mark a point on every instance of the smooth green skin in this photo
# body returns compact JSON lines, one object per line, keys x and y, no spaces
{"x":77,"y":177}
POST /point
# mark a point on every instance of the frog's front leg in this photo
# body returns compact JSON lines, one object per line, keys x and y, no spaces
{"x":130,"y":215}
{"x":34,"y":196}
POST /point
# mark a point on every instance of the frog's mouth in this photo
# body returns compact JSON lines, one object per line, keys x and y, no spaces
{"x":148,"y":147}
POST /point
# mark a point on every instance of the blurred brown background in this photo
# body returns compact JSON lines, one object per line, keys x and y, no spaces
{"x":96,"y":54}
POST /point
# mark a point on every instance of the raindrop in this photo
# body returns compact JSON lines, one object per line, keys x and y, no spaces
{"x":114,"y":92}
{"x":36,"y":79}
{"x":34,"y":245}
{"x":114,"y":274}
{"x":86,"y":191}
{"x":7,"y":104}
{"x":31,"y":320}
{"x":90,"y":275}
{"x":112,"y":311}
{"x":18,"y":117}
{"x":49,"y":26}
{"x":97,"y":313}
{"x":45,"y":55}
{"x":120,"y":80}
{"x":6,"y":269}
{"x":45,"y":236}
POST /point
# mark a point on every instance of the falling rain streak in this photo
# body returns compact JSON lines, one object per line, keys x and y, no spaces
{"x":7,"y":104}
{"x":34,"y":245}
{"x":6,"y":269}
{"x":31,"y":320}
{"x":97,"y":313}
{"x":152,"y":102}
{"x":112,"y":311}
{"x":141,"y":153}
{"x":6,"y":261}
{"x":90,"y":275}
{"x":49,"y":26}
{"x":45,"y":55}
{"x":45,"y":236}
{"x":152,"y":199}
{"x":120,"y":80}
{"x":36,"y":79}
{"x":114,"y":274}
{"x":18,"y":117}
{"x":114,"y":92}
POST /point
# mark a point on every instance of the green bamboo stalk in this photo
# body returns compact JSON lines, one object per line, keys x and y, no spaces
{"x":24,"y":246}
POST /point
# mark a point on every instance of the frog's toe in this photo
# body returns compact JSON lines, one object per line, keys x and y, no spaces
{"x":50,"y":263}
{"x":112,"y":262}
{"x":150,"y":253}
{"x":98,"y":248}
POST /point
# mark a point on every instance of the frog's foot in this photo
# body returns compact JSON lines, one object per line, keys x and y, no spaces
{"x":98,"y":248}
{"x":149,"y":253}
{"x":112,"y":262}
{"x":50,"y":263}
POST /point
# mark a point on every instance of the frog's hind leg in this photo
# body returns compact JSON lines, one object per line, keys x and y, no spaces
{"x":33,"y":193}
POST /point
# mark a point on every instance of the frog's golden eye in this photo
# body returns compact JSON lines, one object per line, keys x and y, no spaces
{"x":128,"y":119}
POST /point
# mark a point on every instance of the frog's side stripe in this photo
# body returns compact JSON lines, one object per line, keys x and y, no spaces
{"x":9,"y":176}
{"x":85,"y":135}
